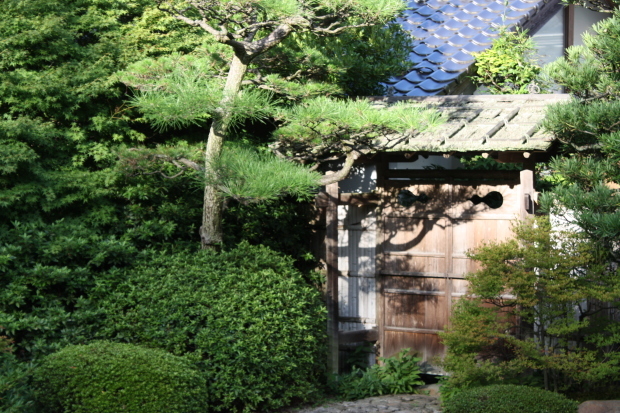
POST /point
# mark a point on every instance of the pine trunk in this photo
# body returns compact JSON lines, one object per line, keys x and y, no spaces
{"x":213,"y":207}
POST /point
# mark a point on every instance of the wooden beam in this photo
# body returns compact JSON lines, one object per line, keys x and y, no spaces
{"x":352,"y":199}
{"x":357,"y":336}
{"x":331,"y":259}
{"x":359,"y":199}
{"x":446,"y":173}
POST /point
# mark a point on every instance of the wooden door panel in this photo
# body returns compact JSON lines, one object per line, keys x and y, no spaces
{"x":416,"y":310}
{"x":423,"y":253}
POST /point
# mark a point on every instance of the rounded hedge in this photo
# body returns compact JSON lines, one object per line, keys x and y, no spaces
{"x":246,"y":314}
{"x":105,"y":377}
{"x":508,"y":398}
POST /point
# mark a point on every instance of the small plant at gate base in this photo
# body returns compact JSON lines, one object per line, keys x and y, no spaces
{"x":396,"y":375}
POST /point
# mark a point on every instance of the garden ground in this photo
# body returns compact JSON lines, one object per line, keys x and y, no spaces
{"x":400,"y":403}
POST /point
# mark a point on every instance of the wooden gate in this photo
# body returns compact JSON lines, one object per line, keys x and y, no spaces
{"x":422,"y":243}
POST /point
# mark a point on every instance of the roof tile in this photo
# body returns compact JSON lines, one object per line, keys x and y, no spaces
{"x":442,"y":76}
{"x":478,"y":24}
{"x":521,"y":6}
{"x":452,"y":66}
{"x":426,"y":67}
{"x":429,"y":85}
{"x":437,"y":57}
{"x":471,"y":8}
{"x":458,"y":41}
{"x":454,"y":24}
{"x":425,"y":11}
{"x":433,"y":41}
{"x":417,"y":91}
{"x":474,"y":48}
{"x":430,"y":26}
{"x":444,"y":33}
{"x":468,"y":32}
{"x":439,"y":17}
{"x":423,"y":50}
{"x":420,"y":33}
{"x":448,"y":49}
{"x":463,"y":58}
{"x":404,"y":86}
{"x":497,"y":7}
{"x":435,"y":4}
{"x":416,"y":77}
{"x":415,"y":18}
{"x":483,"y":40}
{"x":487,"y":15}
{"x":463,"y":16}
{"x":449,"y":10}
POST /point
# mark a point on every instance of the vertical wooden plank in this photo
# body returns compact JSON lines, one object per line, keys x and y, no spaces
{"x":526,"y":193}
{"x":382,"y":165}
{"x":449,"y":261}
{"x":331,"y":258}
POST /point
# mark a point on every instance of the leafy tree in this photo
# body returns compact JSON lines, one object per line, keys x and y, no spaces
{"x":586,"y":191}
{"x":181,"y":94}
{"x":539,"y":304}
{"x":508,"y":67}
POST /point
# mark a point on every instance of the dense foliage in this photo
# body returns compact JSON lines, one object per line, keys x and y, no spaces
{"x":15,"y":392}
{"x":246,"y":314}
{"x":540,"y":310}
{"x":508,"y":399}
{"x":107,"y":377}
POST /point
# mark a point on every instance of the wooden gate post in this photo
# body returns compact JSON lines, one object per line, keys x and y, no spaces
{"x":527,"y":192}
{"x":331,"y":259}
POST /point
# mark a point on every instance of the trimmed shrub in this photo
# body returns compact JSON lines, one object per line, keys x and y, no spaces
{"x":246,"y":314}
{"x":508,"y":398}
{"x":105,"y":377}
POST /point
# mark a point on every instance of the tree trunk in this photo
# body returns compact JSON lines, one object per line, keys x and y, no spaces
{"x":211,"y":228}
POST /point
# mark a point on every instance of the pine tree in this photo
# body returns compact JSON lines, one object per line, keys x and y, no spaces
{"x":588,"y":127}
{"x":250,"y":28}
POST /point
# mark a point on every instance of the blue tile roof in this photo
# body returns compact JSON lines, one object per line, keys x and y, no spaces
{"x":447,"y":32}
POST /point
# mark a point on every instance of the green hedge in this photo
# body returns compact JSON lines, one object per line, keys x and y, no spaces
{"x":508,"y":398}
{"x":246,"y":314}
{"x":105,"y":377}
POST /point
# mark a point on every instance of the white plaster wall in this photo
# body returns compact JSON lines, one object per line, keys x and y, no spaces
{"x":584,"y":19}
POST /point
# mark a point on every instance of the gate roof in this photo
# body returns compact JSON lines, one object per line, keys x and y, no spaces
{"x":477,"y":123}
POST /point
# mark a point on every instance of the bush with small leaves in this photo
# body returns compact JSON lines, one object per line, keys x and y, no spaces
{"x":508,"y":398}
{"x":105,"y":377}
{"x":246,"y":314}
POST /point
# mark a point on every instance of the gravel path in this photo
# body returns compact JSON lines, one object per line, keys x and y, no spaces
{"x":401,"y":403}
